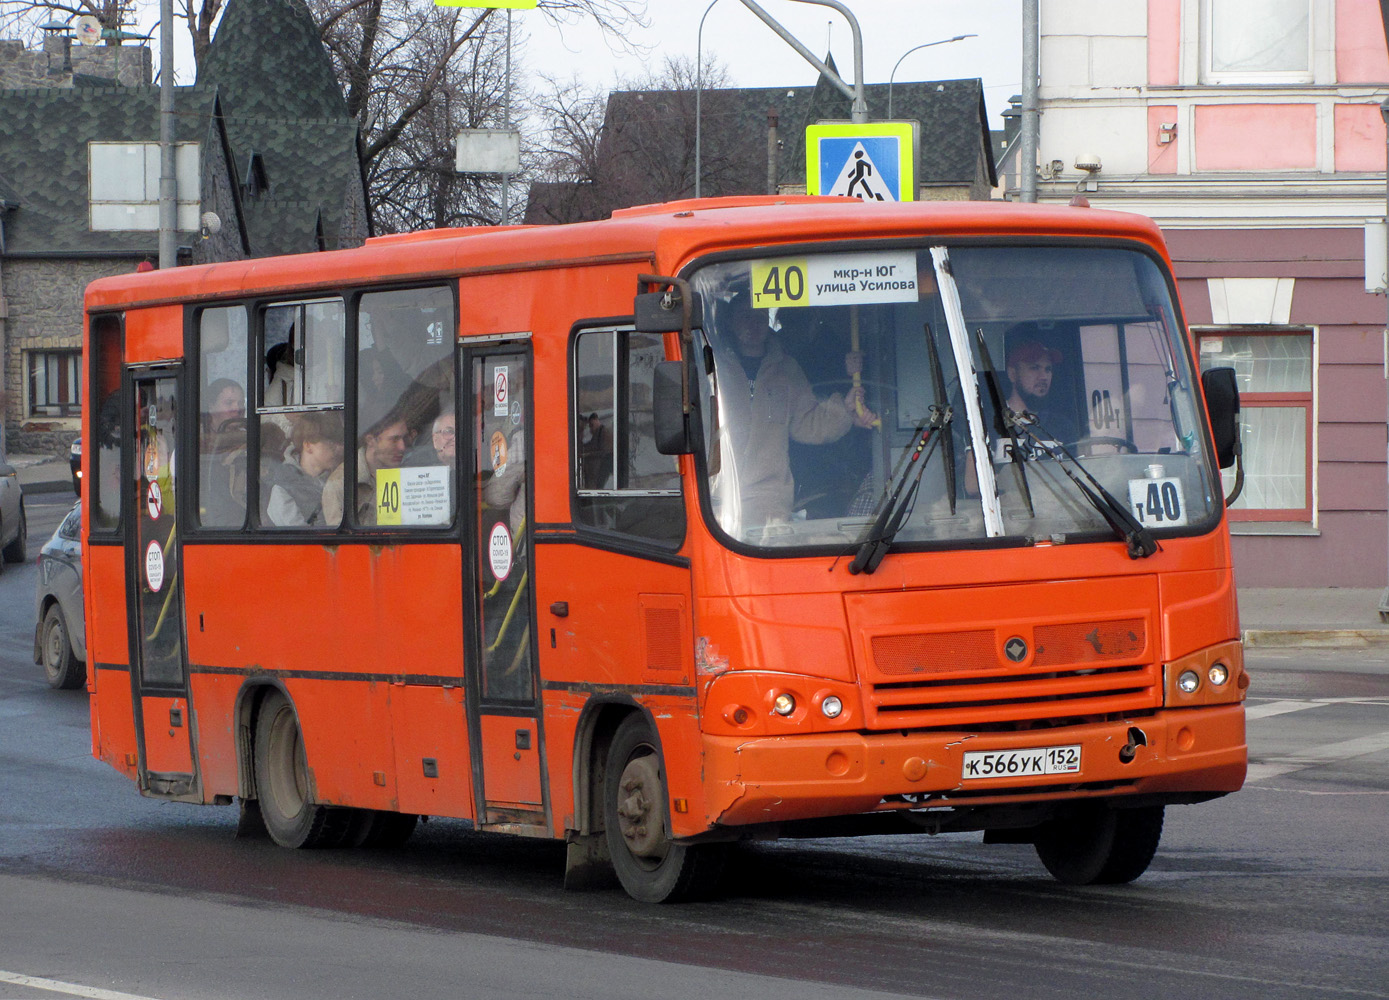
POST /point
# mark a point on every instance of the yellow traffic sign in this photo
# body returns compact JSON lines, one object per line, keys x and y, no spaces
{"x":875,"y":161}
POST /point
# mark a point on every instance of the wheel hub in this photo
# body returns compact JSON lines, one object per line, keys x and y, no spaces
{"x":640,"y":817}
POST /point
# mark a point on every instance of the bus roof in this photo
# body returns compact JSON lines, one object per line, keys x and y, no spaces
{"x":658,"y":237}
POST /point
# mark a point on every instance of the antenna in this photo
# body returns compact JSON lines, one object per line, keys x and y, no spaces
{"x":88,"y":30}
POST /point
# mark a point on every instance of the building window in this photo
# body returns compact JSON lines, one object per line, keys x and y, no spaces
{"x":55,"y":383}
{"x":124,"y":185}
{"x":1256,"y":41}
{"x":1274,"y":372}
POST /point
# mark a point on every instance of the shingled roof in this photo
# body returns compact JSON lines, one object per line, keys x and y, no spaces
{"x":646,"y":153}
{"x":44,"y":137}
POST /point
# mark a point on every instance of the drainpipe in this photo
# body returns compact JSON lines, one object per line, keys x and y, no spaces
{"x":772,"y":148}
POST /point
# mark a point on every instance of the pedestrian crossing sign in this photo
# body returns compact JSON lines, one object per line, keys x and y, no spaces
{"x":872,"y":162}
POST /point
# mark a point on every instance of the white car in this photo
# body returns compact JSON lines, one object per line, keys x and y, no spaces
{"x":14,"y":533}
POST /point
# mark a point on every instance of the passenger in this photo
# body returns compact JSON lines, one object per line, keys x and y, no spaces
{"x":445,"y":436}
{"x":769,"y":403}
{"x":296,"y":493}
{"x":596,"y":454}
{"x":280,"y":374}
{"x":222,"y":461}
{"x":383,"y":447}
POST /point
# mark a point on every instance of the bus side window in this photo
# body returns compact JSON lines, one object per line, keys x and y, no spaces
{"x":104,"y":435}
{"x":622,"y":483}
{"x":404,"y":384}
{"x":222,"y":343}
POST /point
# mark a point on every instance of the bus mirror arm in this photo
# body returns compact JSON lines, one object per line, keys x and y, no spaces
{"x":674,"y":307}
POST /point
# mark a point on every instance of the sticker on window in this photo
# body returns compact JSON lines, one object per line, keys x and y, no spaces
{"x":413,"y":496}
{"x":1157,"y":502}
{"x":834,"y":280}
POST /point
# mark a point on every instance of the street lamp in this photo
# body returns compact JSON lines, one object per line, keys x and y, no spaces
{"x":925,"y":45}
{"x":699,"y":86}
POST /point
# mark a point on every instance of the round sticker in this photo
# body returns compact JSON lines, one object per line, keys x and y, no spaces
{"x":154,"y":567}
{"x":499,"y":551}
{"x":154,"y":501}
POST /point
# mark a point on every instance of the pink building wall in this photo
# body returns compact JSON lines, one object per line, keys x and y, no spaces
{"x":1361,"y":56}
{"x":1359,"y":138}
{"x":1256,"y":137}
{"x":1164,"y":42}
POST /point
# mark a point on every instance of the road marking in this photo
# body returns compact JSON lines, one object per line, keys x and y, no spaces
{"x":1277,"y":708}
{"x":1329,"y":753}
{"x":71,"y":989}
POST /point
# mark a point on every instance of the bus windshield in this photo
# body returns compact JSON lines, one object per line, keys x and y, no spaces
{"x":951,"y":394}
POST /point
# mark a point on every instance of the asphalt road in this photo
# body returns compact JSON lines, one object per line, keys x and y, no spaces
{"x":1276,"y":891}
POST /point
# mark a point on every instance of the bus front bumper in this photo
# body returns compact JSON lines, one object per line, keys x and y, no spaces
{"x":1179,"y":753}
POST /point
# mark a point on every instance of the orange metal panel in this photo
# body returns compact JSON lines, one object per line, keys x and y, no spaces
{"x":429,"y":726}
{"x":215,"y":697}
{"x":113,"y":718}
{"x":154,"y":334}
{"x":103,"y":570}
{"x":510,"y":775}
{"x":168,"y":746}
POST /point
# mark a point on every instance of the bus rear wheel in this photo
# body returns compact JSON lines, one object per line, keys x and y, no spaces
{"x":650,"y":866}
{"x":282,"y":782}
{"x":1098,"y":845}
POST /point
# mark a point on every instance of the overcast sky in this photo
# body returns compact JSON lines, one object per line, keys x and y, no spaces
{"x":756,"y":57}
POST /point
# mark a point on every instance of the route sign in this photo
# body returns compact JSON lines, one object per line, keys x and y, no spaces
{"x":873,"y":162}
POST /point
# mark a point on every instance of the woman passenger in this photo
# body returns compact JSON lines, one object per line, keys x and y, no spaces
{"x":296,"y":494}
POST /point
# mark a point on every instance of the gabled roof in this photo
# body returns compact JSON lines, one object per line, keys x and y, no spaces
{"x":644,"y":158}
{"x":44,"y":135}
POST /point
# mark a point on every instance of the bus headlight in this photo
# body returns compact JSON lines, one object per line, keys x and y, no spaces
{"x":831,"y":707}
{"x":784,"y":704}
{"x":1218,"y":674}
{"x":1189,"y":681}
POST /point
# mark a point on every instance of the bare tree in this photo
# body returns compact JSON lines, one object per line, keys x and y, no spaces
{"x":23,"y":17}
{"x":600,"y":152}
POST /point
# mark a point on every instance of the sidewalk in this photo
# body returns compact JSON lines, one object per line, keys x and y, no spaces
{"x":1345,"y":617}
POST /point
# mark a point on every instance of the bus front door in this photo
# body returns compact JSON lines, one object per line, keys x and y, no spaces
{"x":504,"y":711}
{"x":163,"y":717}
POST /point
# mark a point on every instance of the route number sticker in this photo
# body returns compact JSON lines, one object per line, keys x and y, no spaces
{"x":418,"y":495}
{"x":833,"y":280}
{"x":1157,"y":503}
{"x":154,"y":567}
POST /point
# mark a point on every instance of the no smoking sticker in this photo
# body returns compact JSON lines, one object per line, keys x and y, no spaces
{"x":154,"y":501}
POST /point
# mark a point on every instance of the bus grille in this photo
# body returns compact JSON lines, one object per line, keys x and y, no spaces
{"x":964,"y":679}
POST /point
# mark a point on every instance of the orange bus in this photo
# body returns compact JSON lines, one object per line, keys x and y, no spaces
{"x":721,"y":519}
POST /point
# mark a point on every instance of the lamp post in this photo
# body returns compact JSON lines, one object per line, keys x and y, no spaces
{"x":1384,"y":113}
{"x":699,"y":87}
{"x":924,"y":45}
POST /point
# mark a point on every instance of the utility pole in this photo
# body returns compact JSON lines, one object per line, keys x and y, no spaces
{"x":168,"y":178}
{"x":859,"y":113}
{"x":1027,"y":152}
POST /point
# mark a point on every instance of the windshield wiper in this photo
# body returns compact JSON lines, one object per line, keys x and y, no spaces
{"x":1003,"y":424}
{"x":1139,"y":539}
{"x":894,"y":513}
{"x":890,"y":519}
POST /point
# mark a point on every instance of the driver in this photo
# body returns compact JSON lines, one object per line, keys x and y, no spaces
{"x":1030,"y":366}
{"x":767,"y":402}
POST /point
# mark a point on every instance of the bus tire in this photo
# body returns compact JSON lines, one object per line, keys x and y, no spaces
{"x":282,"y":782}
{"x":1097,"y":845}
{"x":381,"y":829}
{"x":650,"y":867}
{"x":61,"y":666}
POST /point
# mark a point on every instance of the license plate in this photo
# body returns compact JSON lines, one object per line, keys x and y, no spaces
{"x":1021,"y":763}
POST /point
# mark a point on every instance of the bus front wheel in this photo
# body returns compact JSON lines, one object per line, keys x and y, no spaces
{"x":282,"y":782}
{"x":650,"y":866}
{"x":1097,"y":845}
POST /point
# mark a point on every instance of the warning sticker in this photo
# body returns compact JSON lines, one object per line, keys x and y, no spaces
{"x":154,"y":567}
{"x":834,"y":280}
{"x":413,"y":496}
{"x":501,"y":390}
{"x":499,"y":551}
{"x":154,"y":501}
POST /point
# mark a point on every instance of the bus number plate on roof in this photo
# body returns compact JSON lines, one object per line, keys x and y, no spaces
{"x":1021,"y":763}
{"x":834,"y":280}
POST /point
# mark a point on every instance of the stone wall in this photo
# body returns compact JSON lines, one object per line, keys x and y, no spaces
{"x":55,"y":64}
{"x":43,"y":300}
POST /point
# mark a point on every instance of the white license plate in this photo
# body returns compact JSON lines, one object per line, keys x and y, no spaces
{"x":1021,"y":763}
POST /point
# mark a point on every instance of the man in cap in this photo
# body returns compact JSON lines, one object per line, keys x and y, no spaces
{"x":1030,"y":365}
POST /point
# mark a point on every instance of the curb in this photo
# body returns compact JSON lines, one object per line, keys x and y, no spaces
{"x":1328,"y":638}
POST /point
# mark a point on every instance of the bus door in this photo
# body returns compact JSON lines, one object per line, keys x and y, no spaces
{"x":503,"y":707}
{"x":163,"y":718}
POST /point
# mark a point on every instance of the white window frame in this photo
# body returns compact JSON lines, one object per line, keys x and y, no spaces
{"x":136,"y":208}
{"x":1212,"y":77}
{"x":75,"y":375}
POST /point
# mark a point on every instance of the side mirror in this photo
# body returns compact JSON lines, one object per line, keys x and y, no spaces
{"x":1222,"y":400}
{"x":664,"y":311}
{"x":668,"y":409}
